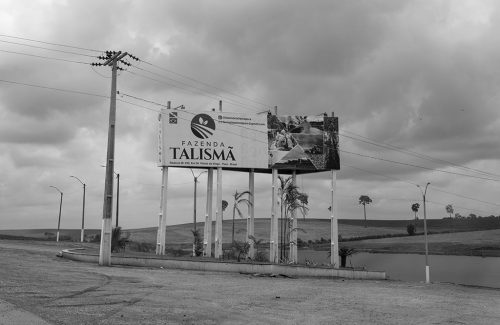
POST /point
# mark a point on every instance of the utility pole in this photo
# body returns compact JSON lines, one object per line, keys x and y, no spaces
{"x":111,"y":59}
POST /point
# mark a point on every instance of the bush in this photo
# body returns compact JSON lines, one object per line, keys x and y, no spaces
{"x":95,"y":238}
{"x":411,"y":229}
{"x":118,"y":240}
{"x":261,"y":256}
{"x":240,"y":249}
{"x":142,"y":247}
{"x":198,"y":243}
{"x":301,"y":243}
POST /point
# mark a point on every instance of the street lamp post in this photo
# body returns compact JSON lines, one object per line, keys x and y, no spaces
{"x":117,"y":196}
{"x":427,"y":270}
{"x":60,"y":208}
{"x":194,"y":206}
{"x":82,"y":235}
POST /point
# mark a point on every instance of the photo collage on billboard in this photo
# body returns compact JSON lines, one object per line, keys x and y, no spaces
{"x":307,"y":143}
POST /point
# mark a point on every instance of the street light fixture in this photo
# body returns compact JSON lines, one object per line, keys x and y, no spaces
{"x":82,"y":235}
{"x":427,"y":271}
{"x":194,"y":206}
{"x":117,"y":194}
{"x":60,"y":207}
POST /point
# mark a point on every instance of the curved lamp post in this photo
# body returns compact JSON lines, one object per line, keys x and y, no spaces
{"x":60,"y":207}
{"x":427,"y":271}
{"x":82,"y":235}
{"x":194,"y":208}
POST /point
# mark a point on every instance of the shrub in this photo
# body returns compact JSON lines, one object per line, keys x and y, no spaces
{"x":198,"y":243}
{"x":118,"y":240}
{"x":411,"y":229}
{"x":301,"y":243}
{"x":95,"y":238}
{"x":142,"y":247}
{"x":261,"y":256}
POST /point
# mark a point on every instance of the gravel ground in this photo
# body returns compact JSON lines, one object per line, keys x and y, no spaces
{"x":38,"y":287}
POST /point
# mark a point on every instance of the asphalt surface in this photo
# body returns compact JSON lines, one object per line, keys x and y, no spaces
{"x":36,"y":287}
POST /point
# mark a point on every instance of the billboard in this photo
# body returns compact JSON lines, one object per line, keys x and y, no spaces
{"x":244,"y":141}
{"x":212,"y":139}
{"x":303,"y":143}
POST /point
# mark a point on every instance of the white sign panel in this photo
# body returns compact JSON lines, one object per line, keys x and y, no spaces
{"x":213,"y":139}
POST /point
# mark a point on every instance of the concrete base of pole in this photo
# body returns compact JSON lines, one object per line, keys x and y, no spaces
{"x":82,"y":236}
{"x":57,"y":236}
{"x":105,"y":249}
{"x":427,"y":274}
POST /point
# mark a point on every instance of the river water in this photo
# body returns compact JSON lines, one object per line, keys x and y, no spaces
{"x":468,"y":270}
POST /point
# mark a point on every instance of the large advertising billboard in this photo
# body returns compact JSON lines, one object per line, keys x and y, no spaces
{"x":213,"y":139}
{"x":306,"y":143}
{"x":244,"y":141}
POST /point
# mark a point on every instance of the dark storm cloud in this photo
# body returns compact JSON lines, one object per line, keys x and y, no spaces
{"x":419,"y":75}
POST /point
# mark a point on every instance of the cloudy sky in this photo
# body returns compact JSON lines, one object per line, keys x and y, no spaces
{"x":415,"y":85}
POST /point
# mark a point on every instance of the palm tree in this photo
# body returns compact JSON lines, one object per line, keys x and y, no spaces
{"x":364,"y":199}
{"x":414,"y":208}
{"x":291,"y":199}
{"x":449,"y":210}
{"x":239,"y":198}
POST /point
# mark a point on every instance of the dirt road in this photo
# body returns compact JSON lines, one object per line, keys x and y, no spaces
{"x":37,"y":285}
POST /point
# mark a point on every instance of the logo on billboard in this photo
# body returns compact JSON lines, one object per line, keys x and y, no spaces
{"x":172,"y":118}
{"x":202,"y":126}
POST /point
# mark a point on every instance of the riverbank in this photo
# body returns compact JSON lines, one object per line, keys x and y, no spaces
{"x":59,"y":291}
{"x":485,"y":243}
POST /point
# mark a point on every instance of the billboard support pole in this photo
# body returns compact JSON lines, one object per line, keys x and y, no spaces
{"x":273,"y":249}
{"x":162,"y":220}
{"x":218,"y":218}
{"x":334,"y":253}
{"x":293,"y":231}
{"x":162,"y":216}
{"x":207,"y":234}
{"x":251,"y":213}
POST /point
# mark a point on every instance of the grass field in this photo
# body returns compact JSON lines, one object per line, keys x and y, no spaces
{"x":458,"y":237}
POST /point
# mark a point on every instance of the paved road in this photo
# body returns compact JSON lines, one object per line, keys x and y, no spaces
{"x":36,"y":287}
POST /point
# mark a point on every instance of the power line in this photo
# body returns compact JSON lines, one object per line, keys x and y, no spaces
{"x":390,"y":177}
{"x":414,"y":153}
{"x":206,"y":84}
{"x":53,"y":88}
{"x":142,"y":99}
{"x":48,"y":49}
{"x":141,"y":106}
{"x":49,"y":43}
{"x":188,"y":86}
{"x":433,"y":187}
{"x":463,"y":196}
{"x":45,"y":57}
{"x":417,"y":166}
